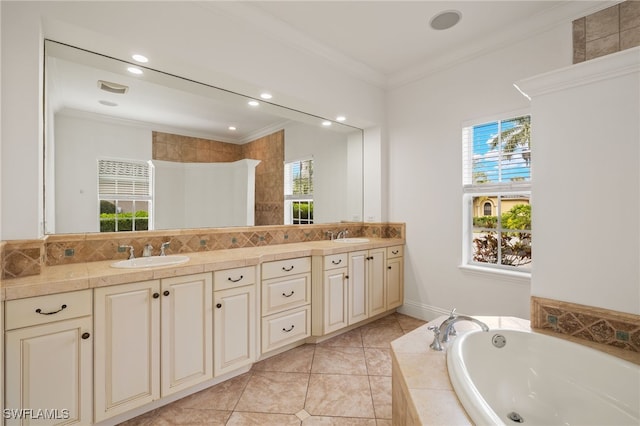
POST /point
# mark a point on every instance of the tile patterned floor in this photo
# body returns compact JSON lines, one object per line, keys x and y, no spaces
{"x":342,"y":381}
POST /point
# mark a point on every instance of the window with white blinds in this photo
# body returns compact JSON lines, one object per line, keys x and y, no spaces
{"x":298,"y":192}
{"x":496,"y":182}
{"x":124,"y":179}
{"x":125,"y":195}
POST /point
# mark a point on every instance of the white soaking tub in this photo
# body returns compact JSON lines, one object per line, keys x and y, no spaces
{"x":535,"y":379}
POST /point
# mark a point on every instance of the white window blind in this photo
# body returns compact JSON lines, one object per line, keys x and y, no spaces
{"x":299,"y":179}
{"x":124,"y":179}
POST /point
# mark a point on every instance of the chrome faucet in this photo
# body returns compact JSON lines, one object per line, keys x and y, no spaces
{"x":146,"y":252}
{"x":132,"y":254}
{"x":163,"y":247}
{"x":446,"y":328}
{"x":342,"y":234}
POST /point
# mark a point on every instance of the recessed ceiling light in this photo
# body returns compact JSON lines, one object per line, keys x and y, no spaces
{"x":254,"y":103}
{"x":341,"y":118}
{"x":140,"y":58}
{"x":134,"y":70}
{"x":326,"y":123}
{"x":232,"y":128}
{"x":445,"y":20}
{"x":266,"y":95}
{"x":108,"y":103}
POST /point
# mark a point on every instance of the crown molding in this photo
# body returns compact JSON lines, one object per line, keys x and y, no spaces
{"x":602,"y":68}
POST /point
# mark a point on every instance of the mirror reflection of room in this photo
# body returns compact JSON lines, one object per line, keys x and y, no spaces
{"x":134,"y":152}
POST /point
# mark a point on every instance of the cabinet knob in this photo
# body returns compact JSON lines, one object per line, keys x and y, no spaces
{"x":346,"y":277}
{"x":218,"y":305}
{"x":389,"y":267}
{"x":156,"y":295}
{"x":166,"y":292}
{"x":85,"y":335}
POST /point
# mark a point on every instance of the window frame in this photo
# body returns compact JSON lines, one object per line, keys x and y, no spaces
{"x":129,"y":198}
{"x":291,"y":199}
{"x":493,"y":189}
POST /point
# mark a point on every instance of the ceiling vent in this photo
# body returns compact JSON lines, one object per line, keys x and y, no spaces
{"x":110,"y":87}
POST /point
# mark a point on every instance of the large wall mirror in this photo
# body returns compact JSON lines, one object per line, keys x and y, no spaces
{"x":128,"y":147}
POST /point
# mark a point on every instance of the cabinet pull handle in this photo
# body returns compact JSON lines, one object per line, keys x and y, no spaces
{"x":218,"y":305}
{"x":337,"y":263}
{"x":166,"y":292}
{"x":85,"y":335}
{"x":156,"y":295}
{"x":287,"y":270}
{"x":235,"y":281}
{"x":369,"y":257}
{"x":288,"y":295}
{"x":286,"y":331}
{"x":395,"y":251}
{"x":39,"y":311}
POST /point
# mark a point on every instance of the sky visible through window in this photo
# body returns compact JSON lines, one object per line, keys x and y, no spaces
{"x":492,"y":164}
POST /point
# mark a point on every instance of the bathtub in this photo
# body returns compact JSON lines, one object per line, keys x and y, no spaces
{"x":535,"y":379}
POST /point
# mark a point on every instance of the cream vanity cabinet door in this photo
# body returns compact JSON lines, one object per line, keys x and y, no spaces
{"x":127,"y":347}
{"x":234,"y":319}
{"x":395,"y":277}
{"x":186,"y":332}
{"x":331,"y":302}
{"x":376,"y":281}
{"x":48,"y":366}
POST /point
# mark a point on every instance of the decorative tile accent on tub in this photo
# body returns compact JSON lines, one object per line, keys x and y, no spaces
{"x":617,"y":329}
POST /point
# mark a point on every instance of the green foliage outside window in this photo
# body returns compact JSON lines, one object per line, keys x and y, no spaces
{"x":513,"y":246}
{"x":125,"y":221}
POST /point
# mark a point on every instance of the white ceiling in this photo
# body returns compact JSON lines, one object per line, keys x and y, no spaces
{"x":386,"y":43}
{"x":392,"y":40}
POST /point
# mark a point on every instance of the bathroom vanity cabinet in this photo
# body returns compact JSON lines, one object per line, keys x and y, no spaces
{"x":113,"y":350}
{"x":286,"y":302}
{"x":354,"y":286}
{"x":49,"y":357}
{"x":234,"y":319}
{"x":153,"y":338}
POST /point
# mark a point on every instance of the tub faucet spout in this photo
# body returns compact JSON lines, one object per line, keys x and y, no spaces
{"x":447,"y":325}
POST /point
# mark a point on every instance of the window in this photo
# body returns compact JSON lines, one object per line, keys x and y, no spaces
{"x":125,"y":195}
{"x":497,"y":194}
{"x":298,"y":192}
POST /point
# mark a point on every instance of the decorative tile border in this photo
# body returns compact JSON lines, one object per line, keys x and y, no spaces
{"x":27,"y":257}
{"x":617,"y":329}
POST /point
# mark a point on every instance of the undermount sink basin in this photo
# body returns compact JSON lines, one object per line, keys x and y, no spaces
{"x":351,"y":240}
{"x":150,"y":262}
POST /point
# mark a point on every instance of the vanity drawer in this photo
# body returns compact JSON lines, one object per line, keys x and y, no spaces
{"x":395,"y":251}
{"x":336,"y":261}
{"x":45,"y":309}
{"x":288,"y":327}
{"x":285,"y":293}
{"x":232,"y":278}
{"x":283,"y":268}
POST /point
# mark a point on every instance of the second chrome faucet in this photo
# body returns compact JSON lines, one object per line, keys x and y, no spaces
{"x":446,"y":329}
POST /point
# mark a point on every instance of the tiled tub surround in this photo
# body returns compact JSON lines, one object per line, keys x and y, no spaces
{"x":607,"y":31}
{"x":78,"y":276}
{"x":21,"y":258}
{"x":422,"y":393}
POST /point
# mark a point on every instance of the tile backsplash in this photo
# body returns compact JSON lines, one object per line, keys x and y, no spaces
{"x":598,"y":325}
{"x":23,"y":258}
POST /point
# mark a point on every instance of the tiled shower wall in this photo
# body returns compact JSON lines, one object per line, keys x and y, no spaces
{"x":269,"y":197}
{"x":608,"y":31}
{"x":25,"y":258}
